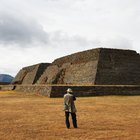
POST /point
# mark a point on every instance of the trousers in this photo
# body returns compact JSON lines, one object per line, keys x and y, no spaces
{"x":74,"y":120}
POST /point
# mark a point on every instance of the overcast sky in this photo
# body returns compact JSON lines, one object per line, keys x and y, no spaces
{"x":36,"y":31}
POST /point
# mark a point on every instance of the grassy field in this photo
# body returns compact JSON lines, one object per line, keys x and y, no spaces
{"x":33,"y":117}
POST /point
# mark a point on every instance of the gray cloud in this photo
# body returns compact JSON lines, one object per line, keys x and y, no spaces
{"x":20,"y":30}
{"x":81,"y":25}
{"x":118,"y":42}
{"x":60,"y":38}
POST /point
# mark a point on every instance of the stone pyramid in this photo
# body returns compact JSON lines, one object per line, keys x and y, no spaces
{"x":101,"y":66}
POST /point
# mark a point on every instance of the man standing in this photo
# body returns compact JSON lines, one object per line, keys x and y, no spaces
{"x":69,"y":108}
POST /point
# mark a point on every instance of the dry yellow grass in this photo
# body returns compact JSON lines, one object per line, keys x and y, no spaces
{"x":7,"y":92}
{"x":32,"y":117}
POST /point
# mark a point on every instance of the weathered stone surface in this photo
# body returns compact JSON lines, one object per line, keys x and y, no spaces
{"x":30,"y":74}
{"x":92,"y":67}
{"x":7,"y":87}
{"x":43,"y":90}
{"x":78,"y":68}
{"x":59,"y":91}
{"x":118,"y":67}
{"x":50,"y":75}
{"x":83,"y":73}
{"x":80,"y":57}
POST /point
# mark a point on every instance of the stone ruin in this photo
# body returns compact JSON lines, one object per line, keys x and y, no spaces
{"x":31,"y":74}
{"x":98,"y":71}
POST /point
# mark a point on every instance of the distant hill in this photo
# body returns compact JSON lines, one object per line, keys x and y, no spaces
{"x":5,"y":78}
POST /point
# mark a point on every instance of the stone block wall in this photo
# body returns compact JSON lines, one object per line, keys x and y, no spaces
{"x":78,"y":91}
{"x":30,"y":74}
{"x":84,"y":91}
{"x":100,"y":66}
{"x":29,"y":89}
{"x":49,"y":75}
{"x":80,"y":57}
{"x":83,"y":73}
{"x":118,"y":67}
{"x":79,"y":68}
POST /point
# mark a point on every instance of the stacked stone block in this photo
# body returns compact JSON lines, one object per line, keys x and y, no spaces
{"x":101,"y":67}
{"x":30,"y":74}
